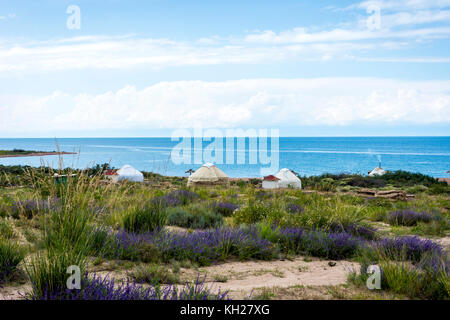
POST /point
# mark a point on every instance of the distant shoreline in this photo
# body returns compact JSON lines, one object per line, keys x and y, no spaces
{"x":35,"y":154}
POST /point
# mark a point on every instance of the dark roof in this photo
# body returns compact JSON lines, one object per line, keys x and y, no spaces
{"x":271,"y":178}
{"x":110,"y":172}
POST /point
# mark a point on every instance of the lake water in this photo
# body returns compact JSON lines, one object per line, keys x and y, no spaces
{"x":307,"y":156}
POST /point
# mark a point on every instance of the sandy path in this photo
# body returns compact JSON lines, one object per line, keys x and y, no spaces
{"x":243,"y":277}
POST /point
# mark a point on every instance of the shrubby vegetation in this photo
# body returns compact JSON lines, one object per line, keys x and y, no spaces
{"x":86,"y":219}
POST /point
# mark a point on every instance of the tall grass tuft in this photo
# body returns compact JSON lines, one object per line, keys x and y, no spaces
{"x":11,"y":255}
{"x":146,"y":218}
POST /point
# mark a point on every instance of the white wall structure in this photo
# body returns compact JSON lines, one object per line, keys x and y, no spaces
{"x":270,"y":184}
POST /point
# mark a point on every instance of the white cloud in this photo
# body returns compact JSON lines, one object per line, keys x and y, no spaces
{"x":239,"y":103}
{"x":396,"y":5}
{"x":346,"y":40}
{"x":301,"y":35}
{"x":121,"y":52}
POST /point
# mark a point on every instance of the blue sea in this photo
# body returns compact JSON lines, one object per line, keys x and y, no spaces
{"x":306,"y":156}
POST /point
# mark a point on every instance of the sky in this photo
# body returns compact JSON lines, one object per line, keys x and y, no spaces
{"x":115,"y":68}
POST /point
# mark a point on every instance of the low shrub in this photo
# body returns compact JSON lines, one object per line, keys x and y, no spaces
{"x":47,"y":270}
{"x":105,"y":288}
{"x":145,"y":218}
{"x":202,"y":247}
{"x":225,"y":209}
{"x":30,"y":208}
{"x":6,"y":229}
{"x":437,"y":227}
{"x":355,"y":229}
{"x":326,"y":184}
{"x":263,"y":195}
{"x":257,"y":211}
{"x":181,"y":217}
{"x":294,"y":208}
{"x":407,"y":248}
{"x":318,"y":243}
{"x":176,"y":198}
{"x":439,"y":188}
{"x":366,"y":182}
{"x":425,"y":281}
{"x":128,"y":246}
{"x":154,"y":274}
{"x":408,"y":217}
{"x":402,"y":178}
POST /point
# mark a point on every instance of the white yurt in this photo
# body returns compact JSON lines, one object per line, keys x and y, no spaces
{"x":129,"y":173}
{"x":378,"y":171}
{"x":208,"y":174}
{"x":288,"y":179}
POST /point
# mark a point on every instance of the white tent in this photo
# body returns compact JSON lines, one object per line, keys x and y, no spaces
{"x":129,"y":173}
{"x":208,"y":174}
{"x":378,"y":171}
{"x":288,"y":179}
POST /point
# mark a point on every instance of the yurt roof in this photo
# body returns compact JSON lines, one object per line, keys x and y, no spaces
{"x":128,"y":170}
{"x":287,"y":175}
{"x":377,"y":171}
{"x":208,"y":172}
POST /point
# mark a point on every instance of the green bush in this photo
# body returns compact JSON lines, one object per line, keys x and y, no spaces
{"x":199,"y":219}
{"x":48,"y":269}
{"x":402,"y":178}
{"x":441,"y":188}
{"x":414,"y":282}
{"x":257,"y":211}
{"x":67,"y":241}
{"x":146,"y":218}
{"x":154,"y":274}
{"x":6,"y":229}
{"x":326,"y":184}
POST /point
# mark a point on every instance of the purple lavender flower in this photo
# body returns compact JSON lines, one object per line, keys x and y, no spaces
{"x":318,"y":243}
{"x":98,"y":288}
{"x":30,"y":208}
{"x":224,"y":208}
{"x":200,"y":246}
{"x":294,"y":208}
{"x":176,"y":198}
{"x":355,"y":229}
{"x":412,"y":247}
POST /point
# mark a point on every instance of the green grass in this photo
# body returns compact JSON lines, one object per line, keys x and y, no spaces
{"x":154,"y":274}
{"x":11,"y":255}
{"x":146,"y":218}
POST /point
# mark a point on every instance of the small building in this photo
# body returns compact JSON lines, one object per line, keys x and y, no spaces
{"x":62,"y":178}
{"x":208,"y":174}
{"x":112,"y":175}
{"x":270,"y":182}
